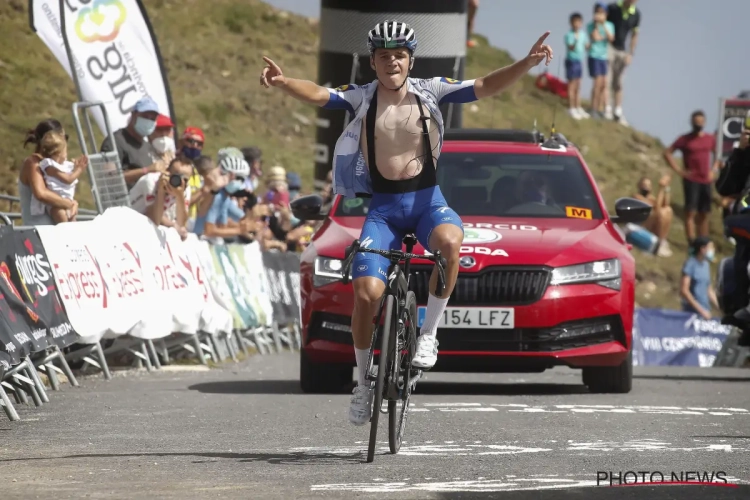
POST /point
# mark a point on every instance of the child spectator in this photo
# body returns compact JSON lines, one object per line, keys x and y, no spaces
{"x":60,"y":175}
{"x":601,"y":32}
{"x":576,"y":43}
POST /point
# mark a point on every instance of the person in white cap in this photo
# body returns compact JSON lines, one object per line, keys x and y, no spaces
{"x":137,"y":157}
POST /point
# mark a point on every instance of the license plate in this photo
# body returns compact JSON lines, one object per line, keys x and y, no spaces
{"x":473,"y":317}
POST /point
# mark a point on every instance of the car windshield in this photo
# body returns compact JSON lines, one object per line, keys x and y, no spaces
{"x":513,"y":185}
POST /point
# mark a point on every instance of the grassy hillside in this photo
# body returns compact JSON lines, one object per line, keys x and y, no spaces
{"x":213,"y":50}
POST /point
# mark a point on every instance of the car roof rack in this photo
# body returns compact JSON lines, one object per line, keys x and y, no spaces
{"x":490,"y":134}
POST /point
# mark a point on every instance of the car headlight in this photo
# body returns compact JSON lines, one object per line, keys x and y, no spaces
{"x":327,"y":271}
{"x":603,"y":272}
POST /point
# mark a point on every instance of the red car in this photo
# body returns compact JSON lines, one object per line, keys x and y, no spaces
{"x":546,"y":278}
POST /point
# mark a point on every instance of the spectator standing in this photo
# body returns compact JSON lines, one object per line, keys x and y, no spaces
{"x":626,"y":18}
{"x":163,"y":197}
{"x":471,"y":15}
{"x":162,"y":140}
{"x":576,"y":43}
{"x":660,"y":220}
{"x":224,"y":218}
{"x":696,"y":147}
{"x":137,"y":157}
{"x":695,"y":287}
{"x":600,"y":33}
{"x":60,"y":175}
{"x":31,"y":182}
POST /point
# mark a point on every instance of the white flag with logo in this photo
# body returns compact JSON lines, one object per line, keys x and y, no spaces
{"x":116,"y":57}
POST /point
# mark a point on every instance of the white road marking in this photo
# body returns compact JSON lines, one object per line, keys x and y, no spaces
{"x":451,"y":404}
{"x":470,"y":448}
{"x":581,"y":409}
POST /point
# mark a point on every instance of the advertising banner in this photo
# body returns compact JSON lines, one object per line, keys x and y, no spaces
{"x":663,"y":338}
{"x":115,"y":55}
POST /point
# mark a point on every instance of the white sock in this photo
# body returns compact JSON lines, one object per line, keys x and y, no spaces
{"x":433,"y":315}
{"x":362,"y":355}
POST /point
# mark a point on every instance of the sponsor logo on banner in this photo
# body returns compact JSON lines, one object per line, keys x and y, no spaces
{"x":6,"y":277}
{"x":733,"y":113}
{"x":101,"y":21}
{"x":35,"y":272}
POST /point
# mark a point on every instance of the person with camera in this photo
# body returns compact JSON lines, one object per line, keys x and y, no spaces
{"x":734,"y":183}
{"x":224,"y":217}
{"x":163,"y":197}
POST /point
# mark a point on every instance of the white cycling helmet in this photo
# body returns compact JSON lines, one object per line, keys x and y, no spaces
{"x":232,"y":161}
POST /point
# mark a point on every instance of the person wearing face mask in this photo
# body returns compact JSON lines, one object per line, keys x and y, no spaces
{"x":695,"y":286}
{"x":696,"y":147}
{"x":162,"y":139}
{"x":652,"y":235}
{"x":224,"y":218}
{"x":137,"y":156}
{"x":191,"y":143}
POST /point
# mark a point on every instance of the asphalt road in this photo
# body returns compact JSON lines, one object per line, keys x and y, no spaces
{"x":246,"y":431}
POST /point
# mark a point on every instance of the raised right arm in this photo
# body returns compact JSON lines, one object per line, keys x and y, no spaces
{"x":306,"y":91}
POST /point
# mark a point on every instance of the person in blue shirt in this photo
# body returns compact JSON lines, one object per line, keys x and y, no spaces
{"x":576,"y":43}
{"x":224,"y":218}
{"x":695,"y":287}
{"x":601,"y":32}
{"x":398,"y":171}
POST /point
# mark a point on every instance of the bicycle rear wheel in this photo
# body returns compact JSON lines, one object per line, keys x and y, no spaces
{"x":385,"y":335}
{"x":405,"y":344}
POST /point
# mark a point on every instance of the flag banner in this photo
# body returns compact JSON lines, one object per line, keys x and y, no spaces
{"x":35,"y":281}
{"x":676,"y":338}
{"x":115,"y":54}
{"x":731,"y":121}
{"x":282,"y":271}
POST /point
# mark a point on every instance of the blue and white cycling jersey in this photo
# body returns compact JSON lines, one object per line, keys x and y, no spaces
{"x":350,"y":173}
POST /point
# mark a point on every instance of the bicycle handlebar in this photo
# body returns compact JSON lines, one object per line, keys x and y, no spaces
{"x":394,"y":256}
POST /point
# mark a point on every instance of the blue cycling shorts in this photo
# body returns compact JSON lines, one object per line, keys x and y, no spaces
{"x":391,"y":217}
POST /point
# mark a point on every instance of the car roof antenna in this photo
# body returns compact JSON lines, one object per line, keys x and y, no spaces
{"x":553,"y":142}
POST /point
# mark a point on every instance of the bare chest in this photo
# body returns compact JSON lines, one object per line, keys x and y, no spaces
{"x":399,"y":145}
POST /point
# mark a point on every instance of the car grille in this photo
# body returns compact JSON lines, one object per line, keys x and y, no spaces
{"x":506,"y":286}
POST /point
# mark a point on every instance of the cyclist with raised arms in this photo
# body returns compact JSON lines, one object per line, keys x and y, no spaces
{"x":390,"y":151}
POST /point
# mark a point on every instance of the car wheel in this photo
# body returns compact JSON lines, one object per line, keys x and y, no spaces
{"x":323,"y":377}
{"x":610,"y":379}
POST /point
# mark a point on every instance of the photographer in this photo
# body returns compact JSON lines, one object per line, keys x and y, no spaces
{"x":163,"y":197}
{"x":734,"y":183}
{"x":224,"y":218}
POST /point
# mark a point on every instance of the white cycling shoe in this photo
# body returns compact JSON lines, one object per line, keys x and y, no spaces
{"x":360,"y":407}
{"x":427,"y":350}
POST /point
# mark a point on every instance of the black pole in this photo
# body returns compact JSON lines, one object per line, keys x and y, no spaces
{"x":441,"y":27}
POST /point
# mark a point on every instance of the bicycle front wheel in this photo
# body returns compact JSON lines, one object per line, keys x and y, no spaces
{"x":405,"y":341}
{"x":385,"y":339}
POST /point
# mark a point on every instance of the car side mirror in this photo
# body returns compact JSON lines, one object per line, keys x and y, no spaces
{"x":630,"y":210}
{"x":308,"y":207}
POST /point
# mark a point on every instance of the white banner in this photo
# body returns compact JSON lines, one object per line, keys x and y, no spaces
{"x":115,"y":54}
{"x":120,"y":274}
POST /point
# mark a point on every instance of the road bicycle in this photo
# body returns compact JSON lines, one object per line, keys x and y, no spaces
{"x":394,"y":376}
